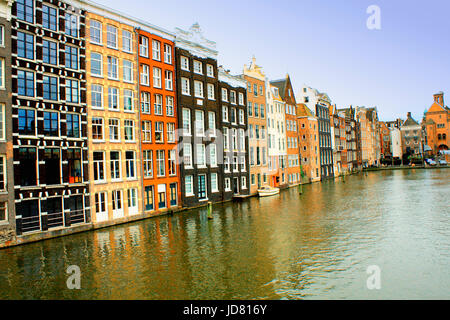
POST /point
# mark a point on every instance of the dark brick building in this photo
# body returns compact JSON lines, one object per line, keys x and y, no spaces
{"x":49,"y":116}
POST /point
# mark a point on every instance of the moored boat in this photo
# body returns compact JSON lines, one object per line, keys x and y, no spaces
{"x":268,"y":191}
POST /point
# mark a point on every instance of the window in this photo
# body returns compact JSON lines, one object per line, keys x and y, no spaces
{"x":127,"y":71}
{"x":27,"y":122}
{"x":241,"y":140}
{"x":71,"y":57}
{"x":242,"y":162}
{"x":50,"y":88}
{"x":49,"y":52}
{"x":168,"y":80}
{"x":25,"y":45}
{"x":241,"y":98}
{"x":172,"y":163}
{"x":49,"y":18}
{"x":97,"y":128}
{"x":210,"y":70}
{"x":26,"y":171}
{"x":244,"y":182}
{"x":169,"y":106}
{"x":198,"y":89}
{"x":198,"y":67}
{"x":167,"y":53}
{"x":234,"y":139}
{"x":159,"y":132}
{"x":186,"y":121}
{"x":149,"y":204}
{"x":97,"y":96}
{"x":111,"y":37}
{"x":233,"y":115}
{"x":156,"y":77}
{"x":148,"y":163}
{"x":72,"y":91}
{"x":214,"y":183}
{"x":96,"y":64}
{"x":210,"y":88}
{"x":114,"y":161}
{"x":160,"y":163}
{"x":233,"y":97}
{"x":96,"y":32}
{"x":129,"y":130}
{"x":2,"y":177}
{"x":147,"y":131}
{"x":235,"y":164}
{"x":158,"y":105}
{"x":73,"y":125}
{"x":128,"y":100}
{"x":113,"y":68}
{"x":241,"y":116}
{"x":255,"y":90}
{"x":213,"y":155}
{"x":127,"y":41}
{"x":114,"y":130}
{"x":184,"y":63}
{"x":187,"y":155}
{"x":227,"y":184}
{"x":74,"y":165}
{"x":189,"y":186}
{"x":143,"y":46}
{"x":225,"y":113}
{"x":226,"y":138}
{"x":132,"y":201}
{"x":113,"y":98}
{"x":171,"y":132}
{"x":201,"y":161}
{"x":199,"y":123}
{"x":185,"y":89}
{"x":52,"y":167}
{"x":250,"y":109}
{"x":117,"y":203}
{"x":25,"y":10}
{"x":224,"y":94}
{"x":156,"y":50}
{"x":145,"y":102}
{"x":130,"y":164}
{"x":71,"y":25}
{"x":145,"y":75}
{"x":101,"y":206}
{"x":51,"y":124}
{"x":212,"y":123}
{"x":256,"y":110}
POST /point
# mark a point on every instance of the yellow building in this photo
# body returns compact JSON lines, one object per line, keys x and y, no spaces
{"x":113,"y":117}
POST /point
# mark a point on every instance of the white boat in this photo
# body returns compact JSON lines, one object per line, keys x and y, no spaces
{"x":268,"y":191}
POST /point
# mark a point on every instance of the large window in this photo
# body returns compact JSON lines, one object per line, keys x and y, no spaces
{"x":159,"y":132}
{"x":49,"y":18}
{"x":127,"y":41}
{"x":128,"y":100}
{"x":148,"y":163}
{"x":74,"y":165}
{"x":169,"y":80}
{"x":96,"y":32}
{"x":113,"y":68}
{"x":113,"y":98}
{"x":111,"y":37}
{"x":156,"y":49}
{"x":114,"y":130}
{"x":158,"y":105}
{"x":2,"y":174}
{"x":3,"y":211}
{"x":71,"y":25}
{"x":127,"y":71}
{"x":2,"y":72}
{"x":25,"y":45}
{"x":96,"y":64}
{"x":130,"y":164}
{"x":50,"y":52}
{"x":169,"y":106}
{"x":156,"y":77}
{"x":2,"y":121}
{"x":145,"y":75}
{"x":72,"y":94}
{"x":27,"y":122}
{"x":145,"y":102}
{"x":51,"y":124}
{"x":26,"y":171}
{"x":25,"y":10}
{"x":189,"y":186}
{"x":146,"y":131}
{"x":97,"y":96}
{"x":160,"y":163}
{"x":199,"y":123}
{"x":99,"y":166}
{"x":172,"y":162}
{"x":143,"y":46}
{"x":187,"y":154}
{"x":71,"y":57}
{"x":186,"y":121}
{"x":52,"y":167}
{"x":129,"y":130}
{"x":114,"y":161}
{"x":171,"y":132}
{"x":201,"y":155}
{"x":168,"y":54}
{"x":97,"y":128}
{"x":50,"y":88}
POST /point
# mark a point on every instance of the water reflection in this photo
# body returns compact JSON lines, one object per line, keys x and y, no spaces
{"x":314,"y":245}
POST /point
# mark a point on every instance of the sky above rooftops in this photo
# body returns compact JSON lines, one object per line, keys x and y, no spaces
{"x":325,"y":45}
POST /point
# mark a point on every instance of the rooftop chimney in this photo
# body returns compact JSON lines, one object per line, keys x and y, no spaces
{"x":409,"y":115}
{"x":439,"y":98}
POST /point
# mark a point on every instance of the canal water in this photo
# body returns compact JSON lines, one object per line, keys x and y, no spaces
{"x":314,"y":246}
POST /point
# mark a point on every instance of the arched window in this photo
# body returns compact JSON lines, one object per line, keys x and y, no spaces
{"x":439,"y":136}
{"x":444,"y":136}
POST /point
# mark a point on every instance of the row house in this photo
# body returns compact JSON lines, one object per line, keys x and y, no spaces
{"x":113,"y":116}
{"x":286,"y":93}
{"x":49,"y":122}
{"x":411,"y":132}
{"x":338,"y":141}
{"x":370,"y":139}
{"x":235,"y":173}
{"x":276,"y":137}
{"x":352,"y":146}
{"x":437,"y":125}
{"x":385,"y":140}
{"x":257,"y":126}
{"x":198,"y":101}
{"x":308,"y":132}
{"x":158,"y":120}
{"x":7,"y":205}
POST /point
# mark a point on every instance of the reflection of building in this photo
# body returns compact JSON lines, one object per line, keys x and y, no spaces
{"x":49,"y":116}
{"x":293,"y":152}
{"x":198,"y":107}
{"x":276,"y":136}
{"x":308,"y":133}
{"x":7,"y":207}
{"x":256,"y":104}
{"x":233,"y":124}
{"x":411,"y":132}
{"x":113,"y":115}
{"x":437,"y":125}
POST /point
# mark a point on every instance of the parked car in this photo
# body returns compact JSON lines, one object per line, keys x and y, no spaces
{"x":442,"y":162}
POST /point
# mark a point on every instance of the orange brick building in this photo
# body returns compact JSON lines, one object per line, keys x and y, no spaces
{"x":158,"y":116}
{"x":437,"y":124}
{"x":308,"y":132}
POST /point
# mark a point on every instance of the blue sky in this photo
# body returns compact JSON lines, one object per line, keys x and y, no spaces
{"x":325,"y":44}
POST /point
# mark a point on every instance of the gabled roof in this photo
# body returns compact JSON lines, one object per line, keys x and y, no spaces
{"x":436,"y":107}
{"x":410,"y":122}
{"x":281,"y":85}
{"x":303,"y":110}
